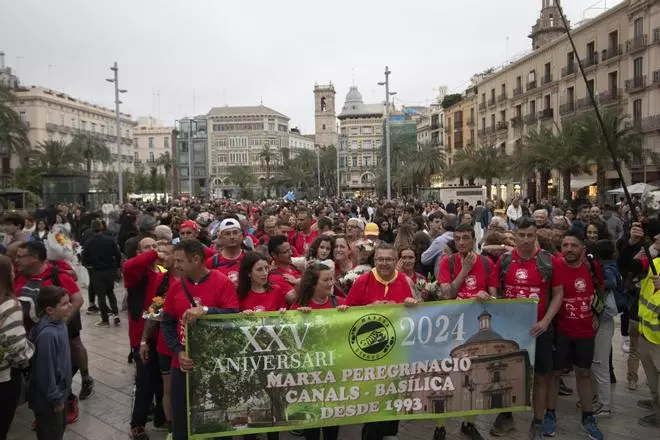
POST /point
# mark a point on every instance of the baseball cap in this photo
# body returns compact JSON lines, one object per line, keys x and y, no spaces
{"x":371,"y":229}
{"x":229,"y":223}
{"x":190,"y":224}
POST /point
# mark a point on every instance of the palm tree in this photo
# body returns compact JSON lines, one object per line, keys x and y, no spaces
{"x":485,"y":162}
{"x":91,"y":149}
{"x":242,"y":178}
{"x":267,"y":155}
{"x":429,"y":160}
{"x":625,"y":139}
{"x":55,"y":157}
{"x":13,"y":135}
{"x":165,"y":161}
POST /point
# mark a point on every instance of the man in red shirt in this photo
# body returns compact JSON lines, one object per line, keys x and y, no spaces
{"x":35,"y":272}
{"x":382,"y":285}
{"x":528,"y":272}
{"x":465,"y":275}
{"x":228,"y":260}
{"x":575,"y":336}
{"x":197,"y":292}
{"x":302,"y":238}
{"x":143,"y":281}
{"x":283,"y":273}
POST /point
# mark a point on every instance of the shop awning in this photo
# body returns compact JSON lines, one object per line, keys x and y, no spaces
{"x":579,"y":182}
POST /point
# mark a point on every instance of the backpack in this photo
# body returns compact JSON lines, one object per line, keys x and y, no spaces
{"x":543,"y":261}
{"x":216,"y":263}
{"x":484,"y":260}
{"x":598,"y":301}
{"x":28,"y":298}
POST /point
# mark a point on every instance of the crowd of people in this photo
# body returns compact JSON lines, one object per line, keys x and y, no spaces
{"x":584,"y":264}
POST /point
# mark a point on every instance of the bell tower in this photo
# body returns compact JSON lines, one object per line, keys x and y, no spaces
{"x":549,"y":25}
{"x":324,"y":115}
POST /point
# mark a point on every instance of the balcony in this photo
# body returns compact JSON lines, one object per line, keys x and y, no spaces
{"x":570,"y":69}
{"x":609,"y":97}
{"x":636,"y":84}
{"x":636,"y":44}
{"x":656,"y":35}
{"x":531,"y":85}
{"x":546,"y":113}
{"x":530,"y":119}
{"x":650,"y":124}
{"x":482,"y":106}
{"x":458,"y":124}
{"x":546,"y":79}
{"x":516,"y":121}
{"x":501,"y":98}
{"x":481,"y":132}
{"x":585,"y":103}
{"x":590,"y":61}
{"x":501,"y":125}
{"x":612,"y":52}
{"x":517,"y":92}
{"x":491,"y":101}
{"x":470,"y":122}
{"x":656,"y":78}
{"x":6,"y":181}
{"x":567,"y":107}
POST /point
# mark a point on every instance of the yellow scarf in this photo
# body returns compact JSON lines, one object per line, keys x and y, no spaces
{"x":384,"y":282}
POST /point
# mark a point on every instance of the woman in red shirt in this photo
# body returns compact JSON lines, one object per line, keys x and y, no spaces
{"x":255,"y":293}
{"x":343,"y":263}
{"x":406,"y":264}
{"x":316,"y":290}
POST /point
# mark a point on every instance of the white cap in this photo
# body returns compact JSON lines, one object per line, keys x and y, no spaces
{"x":229,"y":223}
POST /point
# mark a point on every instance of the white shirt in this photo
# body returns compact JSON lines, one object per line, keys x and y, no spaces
{"x":514,"y":213}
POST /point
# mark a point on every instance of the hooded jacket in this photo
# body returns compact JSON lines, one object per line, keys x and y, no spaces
{"x":50,"y":374}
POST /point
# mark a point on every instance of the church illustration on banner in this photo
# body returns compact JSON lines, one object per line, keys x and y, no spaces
{"x":501,"y":375}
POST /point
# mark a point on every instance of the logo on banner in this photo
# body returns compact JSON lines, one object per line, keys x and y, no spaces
{"x":372,"y":337}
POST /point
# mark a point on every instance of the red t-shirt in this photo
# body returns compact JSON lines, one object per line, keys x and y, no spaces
{"x":326,"y":305}
{"x":301,"y":241}
{"x":475,"y":282}
{"x":64,"y":279}
{"x":269,"y":301}
{"x":523,"y":280}
{"x":367,"y":290}
{"x":213,"y":291}
{"x":575,"y":318}
{"x":276,"y":277}
{"x":229,"y":267}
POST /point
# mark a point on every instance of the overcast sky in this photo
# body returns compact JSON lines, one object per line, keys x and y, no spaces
{"x":241,"y":52}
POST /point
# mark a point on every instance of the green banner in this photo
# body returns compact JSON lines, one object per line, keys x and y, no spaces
{"x":277,"y":372}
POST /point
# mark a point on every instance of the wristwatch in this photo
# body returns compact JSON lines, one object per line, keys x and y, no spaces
{"x":144,"y":343}
{"x":206,"y":309}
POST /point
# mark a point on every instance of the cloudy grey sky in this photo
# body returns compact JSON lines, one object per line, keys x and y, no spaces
{"x":239,"y":52}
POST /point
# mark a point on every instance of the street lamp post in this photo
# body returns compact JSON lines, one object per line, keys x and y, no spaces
{"x":388,"y":166}
{"x":190,"y":148}
{"x":120,"y":176}
{"x":318,"y":167}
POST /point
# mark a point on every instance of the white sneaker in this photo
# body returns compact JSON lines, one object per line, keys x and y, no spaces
{"x":625,"y":346}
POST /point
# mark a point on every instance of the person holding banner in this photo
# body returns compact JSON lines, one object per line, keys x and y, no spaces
{"x":199,"y":291}
{"x":283,"y":273}
{"x":527,"y":272}
{"x":382,"y":285}
{"x":464,"y":275}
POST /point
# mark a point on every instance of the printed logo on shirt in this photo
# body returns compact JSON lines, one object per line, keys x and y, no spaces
{"x":471,"y":282}
{"x":233,"y":277}
{"x":580,"y":285}
{"x":521,"y":275}
{"x":372,"y":337}
{"x":198,"y":301}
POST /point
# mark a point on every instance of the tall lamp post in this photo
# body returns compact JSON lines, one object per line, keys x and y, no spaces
{"x":388,"y":166}
{"x":120,"y":176}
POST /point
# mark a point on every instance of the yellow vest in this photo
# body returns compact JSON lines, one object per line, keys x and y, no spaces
{"x":649,"y":307}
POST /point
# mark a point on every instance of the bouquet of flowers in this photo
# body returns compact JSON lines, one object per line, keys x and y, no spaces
{"x":352,"y":275}
{"x":60,"y":247}
{"x":366,"y":246}
{"x":153,"y":313}
{"x":427,"y":290}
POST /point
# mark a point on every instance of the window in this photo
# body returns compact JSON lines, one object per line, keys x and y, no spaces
{"x":184,"y":147}
{"x":166,"y":143}
{"x":638,"y":65}
{"x":518,"y":82}
{"x":367,"y":144}
{"x":136,"y":156}
{"x":151,"y":156}
{"x":183,"y":172}
{"x":531,"y":76}
{"x":367,"y":130}
{"x":93,"y":127}
{"x":151,"y":142}
{"x":546,"y":102}
{"x":591,"y":51}
{"x":638,"y":27}
{"x":613,"y":41}
{"x":354,"y":145}
{"x":547,"y":70}
{"x":83,"y":125}
{"x":355,"y":163}
{"x":503,"y":89}
{"x":570,"y":59}
{"x":637,"y":111}
{"x":354,"y":131}
{"x":23,"y":116}
{"x":323,"y":128}
{"x":532,"y":107}
{"x":570,"y":95}
{"x":590,"y":87}
{"x":492,"y":120}
{"x":366,"y":161}
{"x":503,"y":115}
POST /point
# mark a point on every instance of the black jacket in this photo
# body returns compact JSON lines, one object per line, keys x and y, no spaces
{"x":101,"y":252}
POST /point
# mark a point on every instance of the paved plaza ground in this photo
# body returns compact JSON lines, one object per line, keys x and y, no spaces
{"x":106,"y":415}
